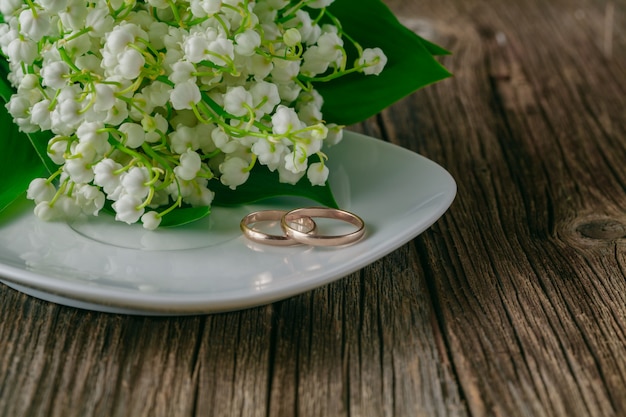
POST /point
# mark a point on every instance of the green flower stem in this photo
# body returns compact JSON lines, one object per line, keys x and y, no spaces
{"x":66,"y":58}
{"x":319,"y":16}
{"x":136,"y":155}
{"x":339,"y":26}
{"x":196,"y":110}
{"x":31,"y":5}
{"x":289,"y":14}
{"x":252,"y":163}
{"x":148,"y":199}
{"x":131,"y":88}
{"x":210,"y":155}
{"x":165,"y":80}
{"x":167,"y":180}
{"x":59,"y":192}
{"x":176,"y":13}
{"x":92,"y":99}
{"x":155,"y":178}
{"x":54,"y":175}
{"x":77,"y":34}
{"x":329,"y":77}
{"x":177,"y":203}
{"x":162,"y":162}
{"x":221,"y":21}
{"x":205,"y":174}
{"x":207,"y":104}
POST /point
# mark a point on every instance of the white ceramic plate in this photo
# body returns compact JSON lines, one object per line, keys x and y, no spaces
{"x":209,"y":266}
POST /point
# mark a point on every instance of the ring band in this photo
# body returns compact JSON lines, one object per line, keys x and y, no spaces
{"x":320,"y":239}
{"x":308,"y":226}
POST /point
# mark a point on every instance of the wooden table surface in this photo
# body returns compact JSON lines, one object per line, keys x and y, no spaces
{"x":512,"y":304}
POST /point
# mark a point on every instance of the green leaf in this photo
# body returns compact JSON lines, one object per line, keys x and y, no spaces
{"x":184,"y":215}
{"x":19,"y":163}
{"x":263,"y":184}
{"x":410,"y":65}
{"x":38,"y":140}
{"x":434,"y":49}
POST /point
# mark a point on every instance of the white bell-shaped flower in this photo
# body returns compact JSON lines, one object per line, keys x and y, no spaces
{"x":265,"y":97}
{"x":151,"y":220}
{"x":134,"y":134}
{"x":40,"y":114}
{"x":182,"y":71}
{"x":79,"y":170}
{"x":289,"y":177}
{"x":247,"y":42}
{"x":135,"y":182}
{"x":46,"y":212}
{"x":99,"y":21}
{"x":185,"y":95}
{"x":182,"y":139}
{"x":22,"y":50}
{"x":189,"y":166}
{"x":317,"y":173}
{"x":130,"y":64}
{"x":90,"y":199}
{"x":197,"y":194}
{"x":373,"y":60}
{"x":268,"y":153}
{"x":40,"y":189}
{"x":237,"y":101}
{"x":36,"y":26}
{"x":296,"y":160}
{"x":234,"y":172}
{"x":55,"y":74}
{"x":106,"y":174}
{"x":9,"y":7}
{"x":285,"y":120}
{"x":222,"y":51}
{"x":105,"y":97}
{"x":128,"y":209}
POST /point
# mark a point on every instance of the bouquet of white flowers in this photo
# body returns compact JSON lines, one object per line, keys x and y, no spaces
{"x":157,"y":109}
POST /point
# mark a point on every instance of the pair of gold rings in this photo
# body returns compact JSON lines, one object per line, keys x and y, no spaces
{"x":298,"y":227}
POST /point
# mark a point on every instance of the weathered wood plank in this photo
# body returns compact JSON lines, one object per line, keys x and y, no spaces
{"x":532,"y":307}
{"x":364,"y":346}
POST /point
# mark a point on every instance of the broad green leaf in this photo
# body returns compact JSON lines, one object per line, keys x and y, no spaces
{"x":19,"y":163}
{"x":264,"y":184}
{"x":39,"y":140}
{"x":184,"y":215}
{"x":434,"y":49}
{"x":5,"y":88}
{"x":410,"y":65}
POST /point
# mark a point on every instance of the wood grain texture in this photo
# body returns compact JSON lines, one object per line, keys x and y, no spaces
{"x":531,"y":289}
{"x":513,"y":304}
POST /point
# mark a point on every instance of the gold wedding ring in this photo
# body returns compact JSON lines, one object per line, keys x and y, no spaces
{"x":302,"y":224}
{"x":321,"y":239}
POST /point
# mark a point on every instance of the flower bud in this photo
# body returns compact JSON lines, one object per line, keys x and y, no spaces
{"x":292,"y":37}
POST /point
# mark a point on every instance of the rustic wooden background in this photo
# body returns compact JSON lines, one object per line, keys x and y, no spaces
{"x":513,"y":304}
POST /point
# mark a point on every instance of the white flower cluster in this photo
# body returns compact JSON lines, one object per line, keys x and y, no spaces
{"x":149,"y":101}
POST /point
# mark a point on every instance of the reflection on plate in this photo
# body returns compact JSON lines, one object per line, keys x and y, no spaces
{"x":209,"y":266}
